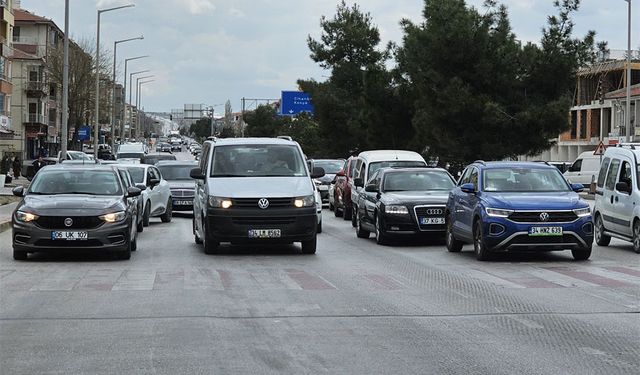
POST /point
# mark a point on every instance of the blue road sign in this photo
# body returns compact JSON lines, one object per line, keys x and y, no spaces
{"x":84,"y":133}
{"x":294,"y":102}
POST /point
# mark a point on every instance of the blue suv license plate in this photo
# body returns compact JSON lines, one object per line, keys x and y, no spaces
{"x":545,"y":231}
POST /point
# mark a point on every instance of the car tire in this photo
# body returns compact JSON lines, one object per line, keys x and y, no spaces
{"x":125,"y":254}
{"x":134,"y":244}
{"x":146,"y":215}
{"x":581,"y":254}
{"x":20,"y":255}
{"x":319,"y":228}
{"x":309,"y":247}
{"x":453,"y":245}
{"x":636,"y":236}
{"x":479,"y":246}
{"x":168,"y":212}
{"x":381,"y":236}
{"x":140,"y":225}
{"x":598,"y":231}
{"x":338,"y":212}
{"x":360,"y":233}
{"x":347,"y":213}
{"x":353,"y":214}
{"x":331,"y":206}
{"x":197,"y":238}
{"x":211,"y":245}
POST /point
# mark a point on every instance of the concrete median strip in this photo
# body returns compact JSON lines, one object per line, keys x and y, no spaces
{"x":5,"y":225}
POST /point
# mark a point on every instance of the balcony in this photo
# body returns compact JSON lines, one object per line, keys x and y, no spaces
{"x":37,"y":89}
{"x":35,"y":118}
{"x":25,"y":40}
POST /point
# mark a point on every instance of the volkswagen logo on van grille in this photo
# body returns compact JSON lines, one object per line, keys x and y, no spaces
{"x":544,"y":216}
{"x":263,"y":203}
{"x":68,"y":222}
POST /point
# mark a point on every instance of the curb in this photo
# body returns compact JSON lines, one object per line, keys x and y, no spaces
{"x":5,"y":225}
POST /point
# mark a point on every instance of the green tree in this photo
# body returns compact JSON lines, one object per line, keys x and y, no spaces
{"x":476,"y":92}
{"x":201,"y":129}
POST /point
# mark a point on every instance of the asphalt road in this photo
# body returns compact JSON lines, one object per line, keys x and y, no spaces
{"x":353,"y":308}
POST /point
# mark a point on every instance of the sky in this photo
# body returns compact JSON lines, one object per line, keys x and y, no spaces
{"x":211,"y":51}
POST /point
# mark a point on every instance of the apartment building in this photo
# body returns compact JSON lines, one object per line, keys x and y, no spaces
{"x":7,"y":132}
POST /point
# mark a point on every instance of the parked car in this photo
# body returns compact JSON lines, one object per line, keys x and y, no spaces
{"x":517,"y":206}
{"x":156,"y":198}
{"x":403,"y":202}
{"x":163,"y":147}
{"x":178,"y":175}
{"x":342,"y":189}
{"x":75,"y":207}
{"x":155,"y":158}
{"x":331,"y":167}
{"x":254,"y":190}
{"x":616,"y":212}
{"x":370,"y":161}
{"x":584,"y":169}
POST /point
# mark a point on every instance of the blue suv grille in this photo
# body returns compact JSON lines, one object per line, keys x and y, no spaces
{"x":537,"y":216}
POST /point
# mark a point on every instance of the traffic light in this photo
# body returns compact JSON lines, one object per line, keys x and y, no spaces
{"x":171,"y":117}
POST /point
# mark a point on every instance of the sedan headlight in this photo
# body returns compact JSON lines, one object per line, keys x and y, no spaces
{"x":114,"y":217}
{"x":498,"y":212}
{"x":26,"y":217}
{"x":308,"y":201}
{"x":582,"y":212}
{"x":396,"y":210}
{"x":219,"y":202}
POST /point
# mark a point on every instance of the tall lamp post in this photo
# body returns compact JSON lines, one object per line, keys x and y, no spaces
{"x":64,"y":127}
{"x":126,"y":62}
{"x":627,"y":112}
{"x":113,"y":96}
{"x":139,"y":96}
{"x":137,"y":109}
{"x":130,"y":102}
{"x":96,"y":131}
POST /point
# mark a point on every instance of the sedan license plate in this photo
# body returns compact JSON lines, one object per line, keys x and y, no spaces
{"x":69,"y":236}
{"x":264,"y":233}
{"x":182,"y":203}
{"x":431,"y":220}
{"x":545,"y":231}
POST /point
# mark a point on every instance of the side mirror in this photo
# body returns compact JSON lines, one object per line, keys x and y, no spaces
{"x":18,"y":191}
{"x":623,"y":187}
{"x":196,"y":174}
{"x":317,"y":172}
{"x":578,"y":188}
{"x":133,"y":192}
{"x":371,"y":188}
{"x":358,"y":182}
{"x":153,"y":181}
{"x":341,"y":173}
{"x":141,"y":186}
{"x":468,"y":188}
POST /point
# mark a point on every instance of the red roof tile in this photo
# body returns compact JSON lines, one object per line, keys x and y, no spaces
{"x":25,"y":15}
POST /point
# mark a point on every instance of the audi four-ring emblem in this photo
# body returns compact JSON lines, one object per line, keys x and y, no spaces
{"x":435,"y":211}
{"x":263,"y":203}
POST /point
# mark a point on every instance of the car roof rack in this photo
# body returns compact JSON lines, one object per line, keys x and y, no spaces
{"x":632,"y":146}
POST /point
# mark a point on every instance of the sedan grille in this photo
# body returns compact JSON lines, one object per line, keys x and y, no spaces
{"x":253,"y":202}
{"x":538,"y":216}
{"x":78,"y":222}
{"x":430,"y":212}
{"x":183,"y":193}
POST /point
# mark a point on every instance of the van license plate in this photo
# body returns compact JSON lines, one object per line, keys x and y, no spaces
{"x":264,"y":233}
{"x":545,"y":231}
{"x":69,"y":236}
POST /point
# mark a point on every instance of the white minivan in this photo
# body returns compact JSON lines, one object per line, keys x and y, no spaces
{"x":584,"y":169}
{"x":254,"y":191}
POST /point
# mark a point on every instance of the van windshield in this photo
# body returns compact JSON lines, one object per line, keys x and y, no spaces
{"x":257,"y":161}
{"x":373,"y":167}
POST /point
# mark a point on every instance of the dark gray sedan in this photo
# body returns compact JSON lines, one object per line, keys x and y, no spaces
{"x":75,"y":207}
{"x":180,"y":182}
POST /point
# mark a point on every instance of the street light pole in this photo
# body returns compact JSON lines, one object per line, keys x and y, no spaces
{"x":627,"y":112}
{"x":96,"y":131}
{"x":139,"y":100}
{"x":113,"y":96}
{"x":137,"y":109}
{"x":130,"y":96}
{"x":126,"y":61}
{"x":64,"y":127}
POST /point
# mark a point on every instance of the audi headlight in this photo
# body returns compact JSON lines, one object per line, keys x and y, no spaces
{"x":498,"y":212}
{"x":396,"y":210}
{"x":308,"y":201}
{"x":26,"y":217}
{"x":218,"y":202}
{"x":582,"y":212}
{"x":113,"y":217}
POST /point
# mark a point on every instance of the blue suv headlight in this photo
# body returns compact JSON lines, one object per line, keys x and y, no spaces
{"x":582,"y":212}
{"x":498,"y":212}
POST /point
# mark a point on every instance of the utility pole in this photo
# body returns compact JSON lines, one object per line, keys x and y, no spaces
{"x":627,"y":112}
{"x":64,"y":127}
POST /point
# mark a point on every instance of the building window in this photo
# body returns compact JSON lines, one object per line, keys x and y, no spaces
{"x":16,"y":34}
{"x":2,"y":97}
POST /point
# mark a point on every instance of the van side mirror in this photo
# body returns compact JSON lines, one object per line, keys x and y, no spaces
{"x":468,"y":188}
{"x":358,"y":182}
{"x":196,"y":174}
{"x":317,"y":172}
{"x":371,"y":188}
{"x":623,"y":187}
{"x":578,"y":188}
{"x":133,"y":191}
{"x":141,"y":186}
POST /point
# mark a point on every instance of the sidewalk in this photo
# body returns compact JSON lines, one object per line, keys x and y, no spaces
{"x":6,"y":210}
{"x":6,"y":190}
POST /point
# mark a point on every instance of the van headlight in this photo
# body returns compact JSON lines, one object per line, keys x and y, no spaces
{"x":396,"y":210}
{"x":498,"y":212}
{"x":582,"y":212}
{"x":113,"y":217}
{"x":26,"y":217}
{"x":308,"y":201}
{"x":219,"y":202}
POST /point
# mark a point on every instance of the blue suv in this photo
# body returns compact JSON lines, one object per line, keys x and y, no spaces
{"x":517,"y":206}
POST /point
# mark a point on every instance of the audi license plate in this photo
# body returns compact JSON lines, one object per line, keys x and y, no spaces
{"x":264,"y":233}
{"x":431,"y":220}
{"x":545,"y":231}
{"x":182,"y":203}
{"x":69,"y":236}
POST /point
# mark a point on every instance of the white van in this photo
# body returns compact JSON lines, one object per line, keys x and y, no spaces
{"x":584,"y":169}
{"x":131,"y":153}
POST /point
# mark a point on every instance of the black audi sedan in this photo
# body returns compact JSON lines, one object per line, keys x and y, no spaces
{"x":401,"y":202}
{"x":75,"y":207}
